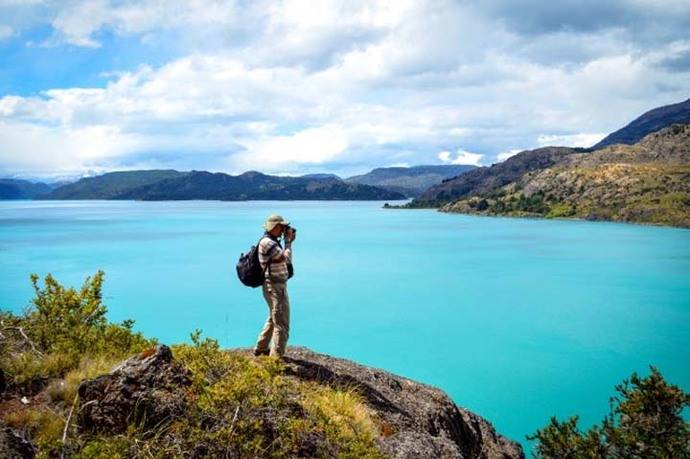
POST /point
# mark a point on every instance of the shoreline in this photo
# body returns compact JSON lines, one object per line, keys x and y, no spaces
{"x":540,"y":217}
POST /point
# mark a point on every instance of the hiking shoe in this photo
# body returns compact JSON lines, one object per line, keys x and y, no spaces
{"x":258,"y":352}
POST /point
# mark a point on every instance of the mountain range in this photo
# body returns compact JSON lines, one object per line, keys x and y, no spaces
{"x":22,"y":189}
{"x":111,"y":185}
{"x":159,"y":185}
{"x":410,"y":181}
{"x":648,"y":182}
{"x":450,"y":187}
{"x":393,"y":183}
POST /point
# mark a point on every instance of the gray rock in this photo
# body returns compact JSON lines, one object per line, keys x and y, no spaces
{"x":14,"y":446}
{"x":417,"y":421}
{"x":422,"y":421}
{"x":148,"y":388}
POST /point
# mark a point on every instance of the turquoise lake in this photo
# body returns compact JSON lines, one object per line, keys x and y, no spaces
{"x":517,"y":319}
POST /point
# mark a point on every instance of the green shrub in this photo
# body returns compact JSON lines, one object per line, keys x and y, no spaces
{"x":70,"y":321}
{"x":645,"y":421}
{"x":62,"y":327}
{"x":561,"y":209}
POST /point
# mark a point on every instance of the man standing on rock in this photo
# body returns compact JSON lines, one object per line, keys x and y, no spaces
{"x":276,"y":263}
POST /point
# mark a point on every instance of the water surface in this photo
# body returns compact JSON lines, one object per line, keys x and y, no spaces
{"x":516,"y":319}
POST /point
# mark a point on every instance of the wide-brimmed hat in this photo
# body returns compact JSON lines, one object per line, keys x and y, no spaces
{"x":274,"y":220}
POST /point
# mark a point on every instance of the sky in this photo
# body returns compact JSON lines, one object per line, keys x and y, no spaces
{"x":339,"y":86}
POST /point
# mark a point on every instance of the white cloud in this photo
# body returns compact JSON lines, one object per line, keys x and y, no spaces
{"x":461,"y":157}
{"x":6,"y":32}
{"x":582,"y":140}
{"x":79,"y":22}
{"x":60,"y":149}
{"x":306,"y":147}
{"x":334,"y":84}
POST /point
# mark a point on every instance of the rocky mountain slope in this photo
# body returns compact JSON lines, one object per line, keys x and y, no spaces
{"x":411,"y":181}
{"x":647,"y":123}
{"x":173,"y":185}
{"x":486,"y":179}
{"x":648,"y":182}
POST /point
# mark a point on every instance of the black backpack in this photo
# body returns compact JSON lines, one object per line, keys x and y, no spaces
{"x":249,"y":269}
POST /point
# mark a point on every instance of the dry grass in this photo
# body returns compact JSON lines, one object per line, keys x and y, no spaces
{"x":65,"y":389}
{"x":343,"y":408}
{"x":40,"y":423}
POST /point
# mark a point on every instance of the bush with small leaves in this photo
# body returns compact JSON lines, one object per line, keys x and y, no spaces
{"x":645,"y":422}
{"x":62,"y":327}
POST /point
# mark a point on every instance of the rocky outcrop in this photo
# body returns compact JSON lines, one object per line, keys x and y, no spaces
{"x":148,"y":388}
{"x":14,"y":446}
{"x":422,"y":421}
{"x":417,"y":421}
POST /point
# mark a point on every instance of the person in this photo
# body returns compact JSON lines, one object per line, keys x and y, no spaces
{"x":274,"y":261}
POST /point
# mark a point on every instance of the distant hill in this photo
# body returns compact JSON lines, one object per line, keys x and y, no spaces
{"x":22,"y":189}
{"x":648,"y":182}
{"x":647,"y":123}
{"x":485,"y":179}
{"x":410,"y":181}
{"x":173,"y":185}
{"x":110,"y":185}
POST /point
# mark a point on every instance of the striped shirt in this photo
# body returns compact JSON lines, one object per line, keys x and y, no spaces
{"x":270,"y":251}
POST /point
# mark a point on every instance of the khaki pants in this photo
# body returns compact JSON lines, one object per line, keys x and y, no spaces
{"x":277,"y":325}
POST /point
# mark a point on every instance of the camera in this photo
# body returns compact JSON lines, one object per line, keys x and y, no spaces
{"x":289,"y":228}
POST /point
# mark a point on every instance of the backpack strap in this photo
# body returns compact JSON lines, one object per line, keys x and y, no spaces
{"x":268,"y":264}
